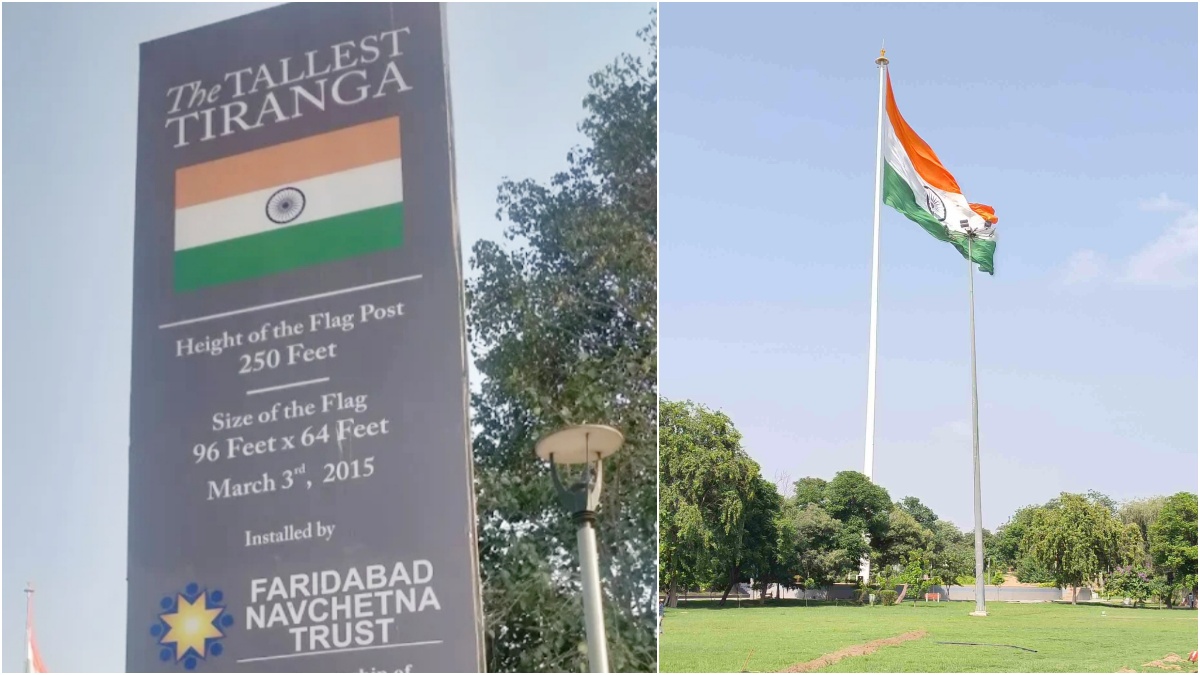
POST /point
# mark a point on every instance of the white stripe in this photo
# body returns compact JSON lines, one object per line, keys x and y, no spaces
{"x":957,"y":207}
{"x":334,"y":194}
{"x":894,"y":154}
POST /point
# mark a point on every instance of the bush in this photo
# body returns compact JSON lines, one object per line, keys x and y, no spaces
{"x":862,"y":595}
{"x":1130,"y":582}
{"x":887,"y":579}
{"x":1030,"y":572}
{"x":888,"y":597}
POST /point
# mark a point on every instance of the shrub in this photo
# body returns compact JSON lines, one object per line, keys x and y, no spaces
{"x":1130,"y":582}
{"x":1030,"y":572}
{"x":860,"y":596}
{"x":888,"y":597}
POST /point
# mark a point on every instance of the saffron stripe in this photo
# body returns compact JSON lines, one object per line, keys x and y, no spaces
{"x":924,"y":159}
{"x":302,"y":159}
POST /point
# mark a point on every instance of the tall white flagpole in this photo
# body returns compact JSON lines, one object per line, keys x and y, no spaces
{"x":980,"y":606}
{"x":28,"y":627}
{"x":868,"y":468}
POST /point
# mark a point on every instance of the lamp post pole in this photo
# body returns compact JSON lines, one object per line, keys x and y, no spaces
{"x":593,"y":607}
{"x":587,"y":445}
{"x":980,"y":601}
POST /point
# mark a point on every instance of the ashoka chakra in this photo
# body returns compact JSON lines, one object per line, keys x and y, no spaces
{"x":285,"y":205}
{"x":936,"y":207}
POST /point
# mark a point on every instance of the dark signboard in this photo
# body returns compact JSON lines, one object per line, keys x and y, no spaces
{"x":300,"y":494}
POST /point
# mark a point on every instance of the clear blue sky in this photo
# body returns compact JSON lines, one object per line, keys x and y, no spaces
{"x":1078,"y":122}
{"x":519,"y":74}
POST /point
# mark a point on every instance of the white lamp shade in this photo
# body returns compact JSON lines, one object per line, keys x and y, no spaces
{"x":579,"y":444}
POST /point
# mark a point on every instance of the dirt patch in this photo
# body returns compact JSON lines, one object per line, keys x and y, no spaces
{"x":1123,"y":669}
{"x":1168,"y":662}
{"x":855,"y":650}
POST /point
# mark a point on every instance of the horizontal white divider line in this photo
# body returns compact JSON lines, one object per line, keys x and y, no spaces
{"x":339,"y":651}
{"x":281,"y":303}
{"x":287,"y":386}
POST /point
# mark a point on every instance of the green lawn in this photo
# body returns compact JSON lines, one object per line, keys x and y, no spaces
{"x":699,"y":637}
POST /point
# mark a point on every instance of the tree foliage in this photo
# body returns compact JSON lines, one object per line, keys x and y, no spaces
{"x":905,"y":535}
{"x":1077,"y":539}
{"x":921,"y":513}
{"x":723,"y":523}
{"x":759,"y":558}
{"x":853,"y":499}
{"x":1135,"y":583}
{"x":951,"y":552}
{"x":706,"y":483}
{"x":820,"y":555}
{"x":810,"y":490}
{"x":1009,"y":552}
{"x":1142,"y":513}
{"x":1173,"y":543}
{"x":562,"y":321}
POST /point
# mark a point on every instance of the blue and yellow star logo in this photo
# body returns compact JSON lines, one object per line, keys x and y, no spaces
{"x":191,"y":626}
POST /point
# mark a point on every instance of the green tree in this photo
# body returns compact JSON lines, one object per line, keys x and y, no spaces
{"x":706,"y":481}
{"x":915,"y":574}
{"x":1143,"y":514}
{"x":810,"y":490}
{"x":1077,"y":539}
{"x":854,"y":500}
{"x":952,"y":552}
{"x":822,"y":553}
{"x":759,"y":559}
{"x":1173,"y":543}
{"x":1030,"y":571}
{"x":1104,"y":500}
{"x":863,"y":508}
{"x":952,"y":563}
{"x":1130,"y":582}
{"x":1007,"y":548}
{"x":562,"y":325}
{"x":921,"y":513}
{"x":904,"y":536}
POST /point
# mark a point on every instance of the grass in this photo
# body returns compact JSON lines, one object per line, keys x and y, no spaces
{"x":700,"y":637}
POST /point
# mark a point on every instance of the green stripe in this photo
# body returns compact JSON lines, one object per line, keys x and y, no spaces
{"x":899,"y":195}
{"x":288,"y":248}
{"x":982,"y":251}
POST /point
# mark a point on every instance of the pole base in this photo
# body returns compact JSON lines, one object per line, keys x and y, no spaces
{"x":978,"y":613}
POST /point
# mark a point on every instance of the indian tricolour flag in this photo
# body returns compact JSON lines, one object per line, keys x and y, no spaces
{"x":326,"y":197}
{"x":916,"y":184}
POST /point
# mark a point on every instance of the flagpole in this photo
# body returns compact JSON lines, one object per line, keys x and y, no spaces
{"x":869,"y":461}
{"x":980,"y":605}
{"x":28,"y":624}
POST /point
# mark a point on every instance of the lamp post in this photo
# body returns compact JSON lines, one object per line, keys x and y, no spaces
{"x":588,"y":445}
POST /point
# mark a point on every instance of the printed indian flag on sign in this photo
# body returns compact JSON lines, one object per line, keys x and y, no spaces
{"x":917,"y":185}
{"x":322,"y":198}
